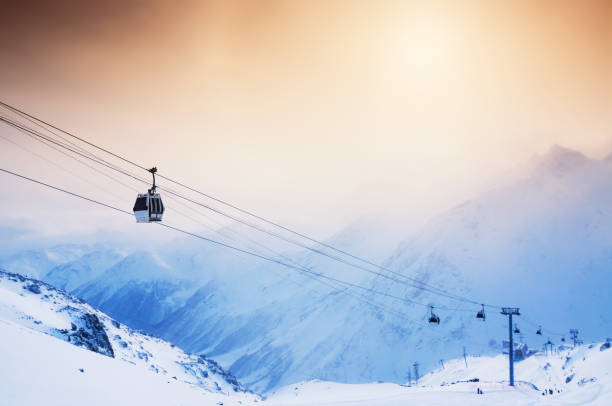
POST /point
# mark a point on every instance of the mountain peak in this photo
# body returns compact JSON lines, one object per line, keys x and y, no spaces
{"x":557,"y":151}
{"x":560,"y":160}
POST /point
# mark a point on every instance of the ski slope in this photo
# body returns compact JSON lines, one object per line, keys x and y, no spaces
{"x":38,"y":369}
{"x":580,"y":376}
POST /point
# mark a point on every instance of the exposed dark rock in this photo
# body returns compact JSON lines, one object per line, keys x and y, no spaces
{"x":90,"y":334}
{"x":227,"y":376}
{"x":33,"y":287}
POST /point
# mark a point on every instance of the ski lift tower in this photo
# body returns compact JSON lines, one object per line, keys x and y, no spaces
{"x":574,"y":334}
{"x":510,"y":311}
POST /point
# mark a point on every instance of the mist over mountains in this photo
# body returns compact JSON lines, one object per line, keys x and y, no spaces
{"x":539,"y":240}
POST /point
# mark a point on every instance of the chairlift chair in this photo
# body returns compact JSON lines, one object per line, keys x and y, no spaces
{"x":433,"y":318}
{"x":481,"y":314}
{"x":516,"y":329}
{"x":149,"y":206}
{"x":539,"y":332}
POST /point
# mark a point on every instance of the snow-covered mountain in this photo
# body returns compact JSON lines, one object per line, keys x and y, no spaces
{"x":42,"y":329}
{"x":539,"y":240}
{"x":37,"y":262}
{"x":579,"y":376}
{"x":69,"y":276}
{"x":141,"y":282}
{"x":209,"y":300}
{"x":57,"y":350}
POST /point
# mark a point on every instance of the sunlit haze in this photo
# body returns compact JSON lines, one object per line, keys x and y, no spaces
{"x":313,"y":114}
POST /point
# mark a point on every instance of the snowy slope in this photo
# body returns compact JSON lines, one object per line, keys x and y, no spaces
{"x":71,"y":352}
{"x":273,"y":326}
{"x":580,"y":376}
{"x":211,"y":301}
{"x":539,"y":240}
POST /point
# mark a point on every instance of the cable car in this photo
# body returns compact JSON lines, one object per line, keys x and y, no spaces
{"x":516,"y":329}
{"x":149,"y":206}
{"x":539,"y":332}
{"x":433,"y":318}
{"x":481,"y":314}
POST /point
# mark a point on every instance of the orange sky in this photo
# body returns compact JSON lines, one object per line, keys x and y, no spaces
{"x":334,"y":108}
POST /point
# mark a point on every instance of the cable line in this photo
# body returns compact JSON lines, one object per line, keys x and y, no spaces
{"x":46,"y":138}
{"x":70,"y":146}
{"x":338,"y":288}
{"x":175,"y":200}
{"x":422,"y":285}
{"x":536,"y":325}
{"x":100,"y":161}
{"x":67,"y":155}
{"x":222,"y":244}
{"x":50,"y":162}
{"x":15,"y":109}
{"x":65,"y":191}
{"x":36,"y":123}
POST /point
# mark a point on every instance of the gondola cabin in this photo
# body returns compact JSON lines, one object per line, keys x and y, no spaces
{"x":148,"y":208}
